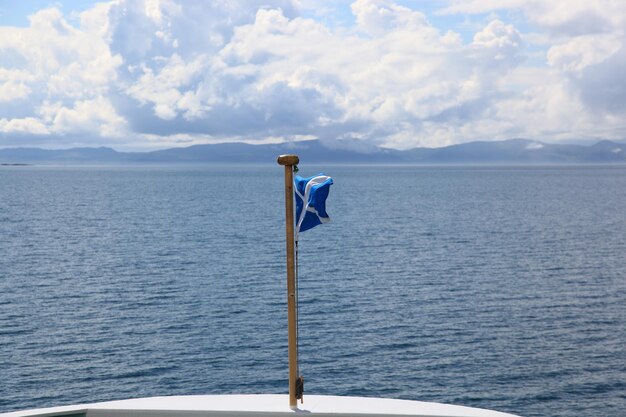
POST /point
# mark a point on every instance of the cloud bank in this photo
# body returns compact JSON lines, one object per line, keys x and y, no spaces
{"x":161,"y":73}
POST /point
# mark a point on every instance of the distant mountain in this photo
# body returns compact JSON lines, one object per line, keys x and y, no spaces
{"x":521,"y":151}
{"x":514,"y":151}
{"x":312,"y":151}
{"x":73,"y":155}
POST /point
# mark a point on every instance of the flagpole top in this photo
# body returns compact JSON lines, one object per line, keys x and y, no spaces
{"x":288,"y":160}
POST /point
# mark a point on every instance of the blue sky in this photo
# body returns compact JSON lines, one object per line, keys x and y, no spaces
{"x":150,"y":74}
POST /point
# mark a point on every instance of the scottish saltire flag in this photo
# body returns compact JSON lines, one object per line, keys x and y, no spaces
{"x":311,"y":196}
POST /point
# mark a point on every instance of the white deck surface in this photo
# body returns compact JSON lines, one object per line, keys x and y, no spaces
{"x":262,"y":406}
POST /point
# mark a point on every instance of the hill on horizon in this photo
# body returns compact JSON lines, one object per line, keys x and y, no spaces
{"x":512,"y":151}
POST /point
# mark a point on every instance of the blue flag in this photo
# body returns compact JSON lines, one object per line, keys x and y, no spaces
{"x":311,"y":196}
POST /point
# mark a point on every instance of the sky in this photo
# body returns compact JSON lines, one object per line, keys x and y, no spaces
{"x":153,"y":74}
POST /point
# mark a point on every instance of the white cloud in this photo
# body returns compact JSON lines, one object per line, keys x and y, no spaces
{"x":96,"y":116}
{"x":503,"y":39}
{"x":574,"y":55}
{"x":535,"y":146}
{"x":10,"y":91}
{"x":54,"y":61}
{"x":28,"y":125}
{"x":569,"y":17}
{"x":377,"y":17}
{"x":66,"y":60}
{"x":162,"y":89}
{"x":585,"y":42}
{"x":194,"y":71}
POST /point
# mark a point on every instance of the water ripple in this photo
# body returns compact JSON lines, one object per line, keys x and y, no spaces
{"x":496,"y":288}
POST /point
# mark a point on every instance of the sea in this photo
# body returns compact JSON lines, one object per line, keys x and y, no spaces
{"x":499,"y":287}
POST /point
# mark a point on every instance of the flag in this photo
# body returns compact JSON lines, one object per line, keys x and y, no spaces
{"x":311,"y":196}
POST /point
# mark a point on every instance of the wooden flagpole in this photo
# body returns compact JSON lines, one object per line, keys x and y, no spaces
{"x":289,"y":161}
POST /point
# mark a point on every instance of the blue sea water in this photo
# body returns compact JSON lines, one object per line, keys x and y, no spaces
{"x":493,"y":287}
